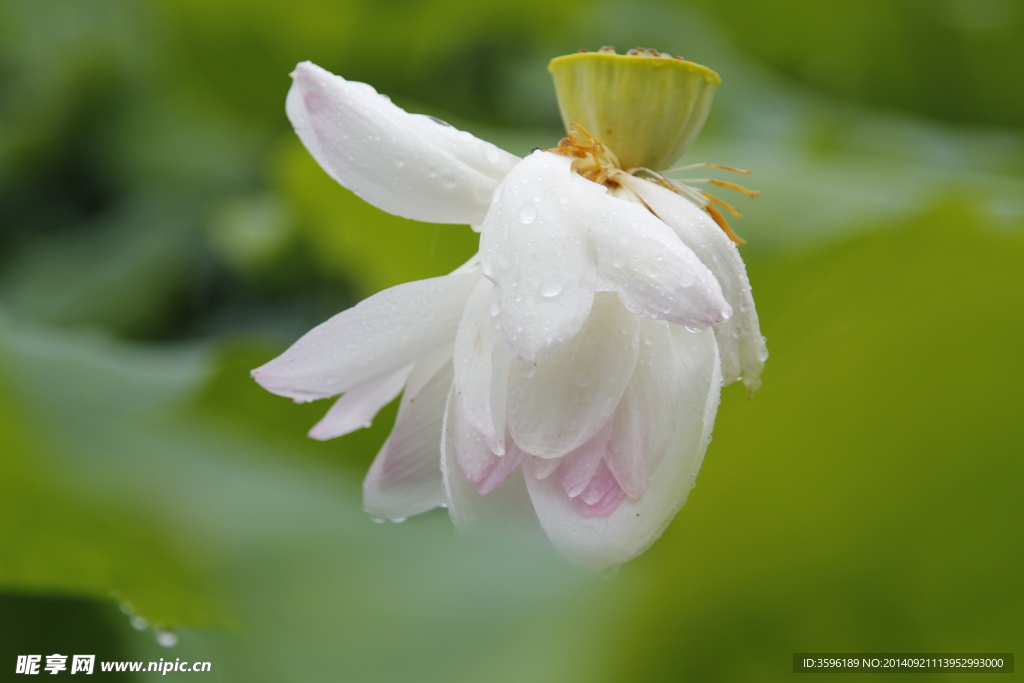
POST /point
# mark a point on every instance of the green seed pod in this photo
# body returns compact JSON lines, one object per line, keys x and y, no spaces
{"x":646,"y":107}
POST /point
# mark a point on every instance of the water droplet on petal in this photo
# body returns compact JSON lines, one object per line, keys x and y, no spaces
{"x":448,"y":178}
{"x":399,"y":520}
{"x":527,"y":214}
{"x":551,"y":286}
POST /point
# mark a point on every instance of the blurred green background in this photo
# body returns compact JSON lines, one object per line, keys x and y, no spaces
{"x":163,"y":231}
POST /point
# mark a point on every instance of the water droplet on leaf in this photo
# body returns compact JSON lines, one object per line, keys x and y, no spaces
{"x":166,"y":638}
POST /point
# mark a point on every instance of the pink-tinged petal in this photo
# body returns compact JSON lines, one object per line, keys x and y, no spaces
{"x":359,"y":405}
{"x":579,"y":467}
{"x":480,"y":465}
{"x":740,"y":344}
{"x":481,"y":369}
{"x":602,"y":496}
{"x":373,"y":339}
{"x":405,"y":478}
{"x":559,"y":403}
{"x":628,"y":448}
{"x":551,"y":238}
{"x":507,"y":507}
{"x":643,"y":420}
{"x":406,"y":164}
{"x":688,"y":364}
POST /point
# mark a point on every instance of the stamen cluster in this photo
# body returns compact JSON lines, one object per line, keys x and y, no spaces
{"x":597,"y":163}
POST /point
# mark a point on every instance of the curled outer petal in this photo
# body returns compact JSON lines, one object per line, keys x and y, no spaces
{"x":359,"y":405}
{"x":375,"y":338}
{"x":406,"y":164}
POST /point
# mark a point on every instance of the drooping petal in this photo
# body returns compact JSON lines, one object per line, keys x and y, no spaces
{"x":505,"y":507}
{"x":481,"y":369}
{"x":374,"y":338}
{"x":689,"y":366}
{"x":552,"y":237}
{"x":406,"y":164}
{"x":359,"y":405}
{"x":559,"y":403}
{"x":531,"y":248}
{"x":655,"y":274}
{"x":405,"y":478}
{"x":740,"y":343}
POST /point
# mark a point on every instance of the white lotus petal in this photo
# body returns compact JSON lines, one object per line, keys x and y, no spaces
{"x":690,"y":366}
{"x":531,"y":249}
{"x":481,"y":369}
{"x":501,"y":363}
{"x":426,"y":367}
{"x":542,"y":468}
{"x":374,"y":338}
{"x":740,"y":343}
{"x":644,"y":417}
{"x":557,"y":404}
{"x":406,"y":164}
{"x":552,"y":236}
{"x":655,"y":274}
{"x":506,"y":507}
{"x":405,"y":478}
{"x":359,"y":405}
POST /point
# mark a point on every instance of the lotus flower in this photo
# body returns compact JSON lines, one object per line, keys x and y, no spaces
{"x":573,"y":366}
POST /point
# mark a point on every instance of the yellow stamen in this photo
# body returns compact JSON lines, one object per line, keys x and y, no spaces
{"x":724,"y":204}
{"x":734,"y":186}
{"x":709,"y":165}
{"x":723,"y":224}
{"x":596,"y":162}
